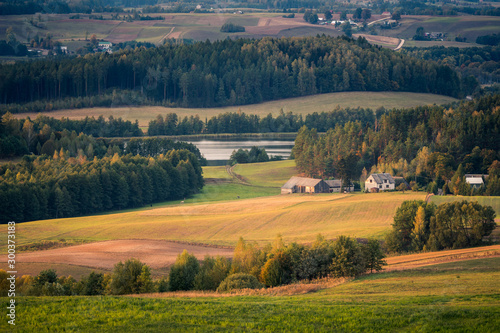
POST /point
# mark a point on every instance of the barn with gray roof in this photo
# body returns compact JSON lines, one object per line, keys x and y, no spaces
{"x":305,"y":185}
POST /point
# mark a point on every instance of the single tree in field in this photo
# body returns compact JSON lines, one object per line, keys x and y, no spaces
{"x":402,"y":187}
{"x":374,"y":256}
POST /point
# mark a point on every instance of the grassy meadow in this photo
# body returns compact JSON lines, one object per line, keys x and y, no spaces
{"x":298,"y":105}
{"x":445,"y":297}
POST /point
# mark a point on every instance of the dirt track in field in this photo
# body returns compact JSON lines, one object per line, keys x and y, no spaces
{"x":104,"y":255}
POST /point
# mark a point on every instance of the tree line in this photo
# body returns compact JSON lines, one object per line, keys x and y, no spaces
{"x":229,"y":72}
{"x":43,"y":187}
{"x":420,"y":226}
{"x":240,"y":122}
{"x":423,"y":143}
{"x":481,"y":62}
{"x":251,"y":267}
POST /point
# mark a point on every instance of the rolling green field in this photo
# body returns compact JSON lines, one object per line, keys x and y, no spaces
{"x":447,"y":297}
{"x":299,"y":105}
{"x":265,"y":174}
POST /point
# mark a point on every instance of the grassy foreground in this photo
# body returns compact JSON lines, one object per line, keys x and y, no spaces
{"x":298,"y":105}
{"x":438,"y":298}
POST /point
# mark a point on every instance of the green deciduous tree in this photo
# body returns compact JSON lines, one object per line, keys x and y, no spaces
{"x":183,"y":272}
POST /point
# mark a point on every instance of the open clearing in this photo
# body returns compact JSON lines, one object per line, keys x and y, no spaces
{"x":435,"y":298}
{"x":299,"y":105}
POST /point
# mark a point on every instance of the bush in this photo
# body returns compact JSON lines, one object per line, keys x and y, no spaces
{"x":239,"y":281}
{"x":212,"y":273}
{"x":231,"y":27}
{"x":130,"y":278}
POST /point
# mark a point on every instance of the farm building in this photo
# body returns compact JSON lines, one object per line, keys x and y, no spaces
{"x":336,"y":186}
{"x":475,"y":180}
{"x":305,"y":185}
{"x":380,"y":181}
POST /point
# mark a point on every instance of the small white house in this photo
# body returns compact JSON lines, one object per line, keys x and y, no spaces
{"x":104,"y":45}
{"x":380,"y":181}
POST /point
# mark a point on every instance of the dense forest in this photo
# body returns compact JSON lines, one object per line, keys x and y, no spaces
{"x":425,"y":143}
{"x":231,"y":72}
{"x":240,"y":122}
{"x":481,"y":62}
{"x":60,"y":186}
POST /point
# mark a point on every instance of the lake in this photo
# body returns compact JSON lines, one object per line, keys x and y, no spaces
{"x":218,"y":152}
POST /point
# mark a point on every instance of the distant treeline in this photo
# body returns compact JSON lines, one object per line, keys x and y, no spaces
{"x":481,"y":62}
{"x":46,"y":136}
{"x":230,"y":72}
{"x":44,"y":187}
{"x":424,"y":143}
{"x":65,"y":6}
{"x":240,"y":122}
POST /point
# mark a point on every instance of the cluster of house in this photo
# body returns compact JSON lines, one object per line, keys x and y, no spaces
{"x":376,"y":182}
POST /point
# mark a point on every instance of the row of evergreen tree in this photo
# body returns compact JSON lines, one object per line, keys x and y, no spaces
{"x":427,"y":143}
{"x":43,"y":187}
{"x":230,"y":72}
{"x":240,"y":122}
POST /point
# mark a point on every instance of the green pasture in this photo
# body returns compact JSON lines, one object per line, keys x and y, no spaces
{"x":440,"y":298}
{"x":266,"y":174}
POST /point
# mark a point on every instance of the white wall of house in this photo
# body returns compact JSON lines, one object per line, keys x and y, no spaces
{"x":384,"y":186}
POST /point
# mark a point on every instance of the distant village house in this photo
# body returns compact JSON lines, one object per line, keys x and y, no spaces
{"x":336,"y":186}
{"x":475,"y":180}
{"x":305,"y":185}
{"x":380,"y":182}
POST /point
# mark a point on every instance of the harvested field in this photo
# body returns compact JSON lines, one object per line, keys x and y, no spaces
{"x":104,"y":255}
{"x":431,"y":258}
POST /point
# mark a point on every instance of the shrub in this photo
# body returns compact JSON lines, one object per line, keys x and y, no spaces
{"x":129,"y":278}
{"x":231,"y":27}
{"x":239,"y":281}
{"x":212,"y":273}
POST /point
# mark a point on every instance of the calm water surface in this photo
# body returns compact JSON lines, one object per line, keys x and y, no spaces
{"x":217,"y":152}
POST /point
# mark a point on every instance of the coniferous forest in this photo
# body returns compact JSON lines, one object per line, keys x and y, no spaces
{"x":231,"y":72}
{"x":429,"y":144}
{"x":44,"y":187}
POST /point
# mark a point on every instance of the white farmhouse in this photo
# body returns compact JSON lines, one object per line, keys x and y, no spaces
{"x":380,"y":182}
